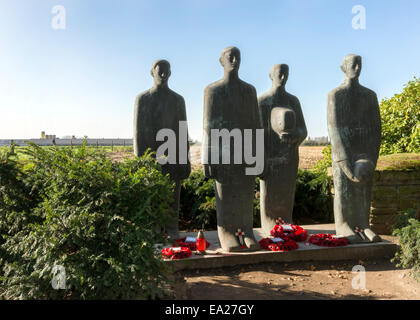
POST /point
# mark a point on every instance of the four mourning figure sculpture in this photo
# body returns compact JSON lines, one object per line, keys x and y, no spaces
{"x":159,"y":113}
{"x":354,"y":127}
{"x":284,"y":129}
{"x":231,"y":113}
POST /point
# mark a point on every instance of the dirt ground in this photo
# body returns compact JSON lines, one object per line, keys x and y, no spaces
{"x":301,"y":281}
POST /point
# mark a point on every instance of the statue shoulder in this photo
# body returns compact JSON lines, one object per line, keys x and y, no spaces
{"x":293,"y":99}
{"x":143,"y":96}
{"x":265,"y":98}
{"x":368,"y":92}
{"x":177,"y":96}
{"x":214,"y":88}
{"x":248,"y":87}
{"x":335,"y":93}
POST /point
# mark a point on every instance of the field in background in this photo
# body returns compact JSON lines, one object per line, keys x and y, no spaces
{"x":309,"y":156}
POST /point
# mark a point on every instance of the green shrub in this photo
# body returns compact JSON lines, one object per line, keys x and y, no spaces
{"x":325,"y":163}
{"x":313,"y":198}
{"x":95,"y":218}
{"x":400,"y":118}
{"x":408,"y":231}
{"x":198,"y":203}
{"x":403,"y":218}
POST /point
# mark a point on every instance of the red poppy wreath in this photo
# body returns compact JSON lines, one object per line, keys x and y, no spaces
{"x":176,"y":252}
{"x":278,"y":244}
{"x":328,"y":240}
{"x":289,"y":231}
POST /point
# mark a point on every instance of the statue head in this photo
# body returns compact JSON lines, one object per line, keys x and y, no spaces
{"x":161,"y":71}
{"x":230,"y":59}
{"x":279,"y":73}
{"x":352,"y":66}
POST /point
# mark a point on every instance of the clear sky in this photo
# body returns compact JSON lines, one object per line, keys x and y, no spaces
{"x":83,"y":80}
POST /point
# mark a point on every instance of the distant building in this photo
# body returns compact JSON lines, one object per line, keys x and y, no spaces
{"x":317,"y":141}
{"x":47,"y":136}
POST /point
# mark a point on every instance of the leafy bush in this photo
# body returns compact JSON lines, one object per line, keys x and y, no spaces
{"x":313,"y":198}
{"x":403,"y":217}
{"x":326,"y":162}
{"x":400,"y":118}
{"x":198,"y":203}
{"x":408,"y":231}
{"x":77,"y":209}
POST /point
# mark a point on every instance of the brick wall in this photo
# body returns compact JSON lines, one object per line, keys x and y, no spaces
{"x":393,"y":191}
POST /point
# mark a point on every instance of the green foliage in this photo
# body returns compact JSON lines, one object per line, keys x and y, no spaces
{"x":403,"y":217}
{"x":313,"y":198}
{"x":198,"y":203}
{"x":400,"y":118}
{"x":408,"y":231}
{"x":325,"y":163}
{"x":75,"y":208}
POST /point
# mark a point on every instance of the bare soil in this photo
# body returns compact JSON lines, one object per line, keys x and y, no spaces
{"x":300,"y":281}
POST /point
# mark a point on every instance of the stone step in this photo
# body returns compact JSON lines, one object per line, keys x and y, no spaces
{"x":306,"y":252}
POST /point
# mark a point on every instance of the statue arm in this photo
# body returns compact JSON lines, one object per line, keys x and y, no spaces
{"x":258,"y":116}
{"x":138,"y":144}
{"x":339,"y":143}
{"x":185,"y":168}
{"x":206,"y":147}
{"x":377,"y":129}
{"x":301,"y":131}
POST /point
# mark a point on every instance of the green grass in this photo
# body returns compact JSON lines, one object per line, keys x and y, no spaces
{"x":399,"y":162}
{"x":22,"y":156}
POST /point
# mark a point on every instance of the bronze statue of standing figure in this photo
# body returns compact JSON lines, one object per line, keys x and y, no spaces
{"x":157,"y":109}
{"x":354,"y":127}
{"x":285,"y":130}
{"x":230,"y":106}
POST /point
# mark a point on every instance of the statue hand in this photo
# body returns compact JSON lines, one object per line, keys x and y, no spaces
{"x":288,"y":138}
{"x":345,"y":166}
{"x":363,"y":170}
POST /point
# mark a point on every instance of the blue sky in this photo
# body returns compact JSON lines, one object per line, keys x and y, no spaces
{"x":83,"y":80}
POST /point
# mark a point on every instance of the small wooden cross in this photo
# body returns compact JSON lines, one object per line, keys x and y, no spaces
{"x":280,"y":221}
{"x":360,"y":232}
{"x":240,"y":234}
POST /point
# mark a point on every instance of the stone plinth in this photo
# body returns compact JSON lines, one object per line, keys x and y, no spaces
{"x":306,"y":252}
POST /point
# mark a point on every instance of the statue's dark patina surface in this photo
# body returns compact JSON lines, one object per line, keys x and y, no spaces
{"x":354,"y":126}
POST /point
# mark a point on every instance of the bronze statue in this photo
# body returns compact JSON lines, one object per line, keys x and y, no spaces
{"x":285,"y":130}
{"x":230,"y":106}
{"x":158,"y":110}
{"x":354,"y":126}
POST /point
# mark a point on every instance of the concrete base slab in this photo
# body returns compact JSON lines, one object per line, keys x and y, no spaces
{"x":216,"y":258}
